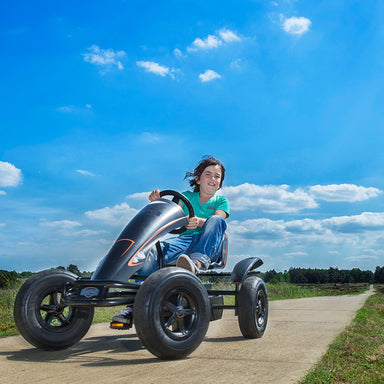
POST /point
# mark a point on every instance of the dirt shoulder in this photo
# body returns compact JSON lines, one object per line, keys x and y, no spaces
{"x":298,"y":333}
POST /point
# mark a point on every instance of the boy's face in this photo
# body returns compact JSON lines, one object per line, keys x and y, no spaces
{"x":210,"y":179}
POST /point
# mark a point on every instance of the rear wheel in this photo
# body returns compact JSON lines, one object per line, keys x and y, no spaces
{"x":253,"y":308}
{"x":42,"y":317}
{"x":171,"y":313}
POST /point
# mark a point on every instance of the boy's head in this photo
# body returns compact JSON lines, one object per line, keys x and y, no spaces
{"x":198,"y":171}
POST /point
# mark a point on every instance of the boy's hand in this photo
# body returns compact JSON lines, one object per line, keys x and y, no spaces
{"x":154,"y":195}
{"x":193,"y":222}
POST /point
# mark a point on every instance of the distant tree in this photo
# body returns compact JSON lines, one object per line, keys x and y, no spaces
{"x":323,"y":276}
{"x":344,"y":276}
{"x":298,"y":275}
{"x":333,"y":275}
{"x":26,"y":274}
{"x":368,"y":277}
{"x":379,"y":275}
{"x":269,"y":275}
{"x":356,"y":275}
{"x":74,"y":269}
{"x":281,"y":277}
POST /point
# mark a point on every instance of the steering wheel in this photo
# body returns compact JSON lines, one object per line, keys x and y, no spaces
{"x":176,"y":198}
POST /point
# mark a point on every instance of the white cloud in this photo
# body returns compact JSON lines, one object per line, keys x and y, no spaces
{"x":223,"y":36}
{"x":348,"y":230}
{"x":361,"y":258}
{"x":61,"y":224}
{"x":68,"y":228}
{"x":236,"y":64}
{"x":343,"y":192}
{"x":279,"y":199}
{"x":139,"y":196}
{"x":374,"y":252}
{"x":257,"y":228}
{"x":228,"y":36}
{"x":156,"y":68}
{"x":118,"y":215}
{"x":304,"y":226}
{"x":10,"y":176}
{"x":210,"y":42}
{"x":209,"y":75}
{"x":295,"y":25}
{"x":75,"y":109}
{"x":178,"y":53}
{"x":104,"y":57}
{"x":151,"y":138}
{"x":66,"y":109}
{"x":367,"y":221}
{"x":298,"y":253}
{"x":268,"y":198}
{"x":85,"y":173}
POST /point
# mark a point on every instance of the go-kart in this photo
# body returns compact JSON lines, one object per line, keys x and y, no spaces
{"x":172,"y":308}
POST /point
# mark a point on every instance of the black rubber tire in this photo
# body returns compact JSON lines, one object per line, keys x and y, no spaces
{"x":42,"y":319}
{"x":171,"y":313}
{"x":253,"y":308}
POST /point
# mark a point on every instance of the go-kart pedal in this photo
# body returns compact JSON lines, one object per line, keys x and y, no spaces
{"x":123,"y":320}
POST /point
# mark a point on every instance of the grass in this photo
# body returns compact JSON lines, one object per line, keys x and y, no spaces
{"x":356,"y":356}
{"x":282,"y":291}
{"x":7,"y":297}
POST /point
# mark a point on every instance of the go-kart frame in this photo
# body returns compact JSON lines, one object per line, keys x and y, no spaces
{"x":172,"y":308}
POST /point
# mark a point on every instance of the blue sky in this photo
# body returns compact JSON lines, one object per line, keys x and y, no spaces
{"x":102,"y":102}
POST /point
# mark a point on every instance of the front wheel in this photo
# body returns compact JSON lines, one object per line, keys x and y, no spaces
{"x":253,"y":308}
{"x":41,"y":316}
{"x":171,"y":313}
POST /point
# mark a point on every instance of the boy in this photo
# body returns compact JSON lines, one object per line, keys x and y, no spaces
{"x":200,"y":244}
{"x":197,"y":247}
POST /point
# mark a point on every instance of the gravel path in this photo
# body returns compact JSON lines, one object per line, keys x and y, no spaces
{"x":298,"y":334}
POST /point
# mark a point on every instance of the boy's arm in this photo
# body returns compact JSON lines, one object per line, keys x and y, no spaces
{"x":221,"y":213}
{"x":195,"y":222}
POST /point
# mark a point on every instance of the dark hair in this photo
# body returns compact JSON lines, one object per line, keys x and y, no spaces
{"x":205,"y":162}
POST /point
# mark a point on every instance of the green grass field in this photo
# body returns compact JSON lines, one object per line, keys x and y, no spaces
{"x":356,"y":356}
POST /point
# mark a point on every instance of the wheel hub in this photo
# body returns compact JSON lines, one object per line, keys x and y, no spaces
{"x":180,"y":312}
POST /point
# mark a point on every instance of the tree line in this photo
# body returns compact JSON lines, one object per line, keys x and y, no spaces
{"x":326,"y":276}
{"x":8,"y":278}
{"x":293,"y":275}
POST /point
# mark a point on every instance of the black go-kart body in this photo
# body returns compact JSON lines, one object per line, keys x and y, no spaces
{"x":172,"y":308}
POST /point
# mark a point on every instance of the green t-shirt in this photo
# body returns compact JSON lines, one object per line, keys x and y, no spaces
{"x":204,"y":210}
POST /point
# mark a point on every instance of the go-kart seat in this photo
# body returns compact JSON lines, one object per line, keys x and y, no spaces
{"x":219,"y":263}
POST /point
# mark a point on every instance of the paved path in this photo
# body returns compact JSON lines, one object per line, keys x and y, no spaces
{"x":298,"y":333}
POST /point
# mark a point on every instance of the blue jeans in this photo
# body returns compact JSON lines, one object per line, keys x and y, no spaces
{"x":204,"y":247}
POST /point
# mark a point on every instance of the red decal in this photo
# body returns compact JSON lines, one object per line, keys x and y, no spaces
{"x":129,"y":246}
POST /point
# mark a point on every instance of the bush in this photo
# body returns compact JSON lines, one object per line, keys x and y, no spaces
{"x":7,"y":279}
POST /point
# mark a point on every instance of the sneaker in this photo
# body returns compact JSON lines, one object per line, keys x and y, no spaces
{"x":123,"y":320}
{"x":186,"y":263}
